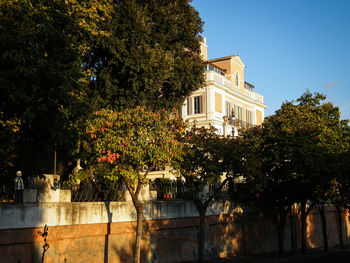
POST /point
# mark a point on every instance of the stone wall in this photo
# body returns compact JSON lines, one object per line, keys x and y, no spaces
{"x":104,"y":232}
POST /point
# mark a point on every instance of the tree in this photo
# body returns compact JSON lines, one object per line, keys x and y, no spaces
{"x":270,"y":180}
{"x":207,"y":157}
{"x":61,"y":60}
{"x":328,"y":138}
{"x":40,"y":67}
{"x":149,"y":55}
{"x":295,"y":144}
{"x":131,"y":143}
{"x":339,"y":190}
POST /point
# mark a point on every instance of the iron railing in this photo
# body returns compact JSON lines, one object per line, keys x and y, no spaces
{"x":239,"y":123}
{"x":168,"y":189}
{"x":177,"y":190}
{"x":107,"y":191}
{"x":7,"y":193}
{"x":7,"y":188}
{"x":96,"y":191}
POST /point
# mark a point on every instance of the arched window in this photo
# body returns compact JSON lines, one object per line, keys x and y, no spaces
{"x":237,"y":79}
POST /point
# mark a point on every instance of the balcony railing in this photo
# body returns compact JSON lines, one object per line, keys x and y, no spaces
{"x":213,"y":76}
{"x":240,"y":124}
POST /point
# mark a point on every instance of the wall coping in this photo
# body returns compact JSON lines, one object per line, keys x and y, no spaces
{"x":29,"y":215}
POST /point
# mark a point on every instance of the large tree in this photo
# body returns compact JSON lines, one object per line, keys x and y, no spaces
{"x":40,"y":68}
{"x":149,"y":57}
{"x":295,"y":144}
{"x":131,"y":143}
{"x":339,"y":191}
{"x":209,"y":162}
{"x":61,"y":60}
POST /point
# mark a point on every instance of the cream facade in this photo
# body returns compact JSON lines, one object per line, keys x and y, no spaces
{"x":227,"y":101}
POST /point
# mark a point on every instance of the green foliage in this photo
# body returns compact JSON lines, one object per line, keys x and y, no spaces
{"x":8,"y":139}
{"x":62,"y":60}
{"x":40,"y":67}
{"x":131,"y":143}
{"x":339,"y":190}
{"x":134,"y":141}
{"x":150,"y":56}
{"x":207,"y":157}
{"x":296,"y":146}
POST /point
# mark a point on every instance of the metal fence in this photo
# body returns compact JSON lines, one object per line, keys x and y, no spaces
{"x":168,"y":189}
{"x":106,"y":191}
{"x":177,"y":190}
{"x":96,"y":191}
{"x":7,"y":188}
{"x":7,"y":193}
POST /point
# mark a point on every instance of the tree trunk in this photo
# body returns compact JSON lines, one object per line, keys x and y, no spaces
{"x":137,"y":250}
{"x":201,"y":233}
{"x":293,"y":234}
{"x":340,"y":224}
{"x":139,"y":211}
{"x":303,"y":226}
{"x":304,"y":213}
{"x":324,"y":226}
{"x":281,"y":222}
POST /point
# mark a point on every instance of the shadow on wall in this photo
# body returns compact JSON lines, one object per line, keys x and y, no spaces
{"x":88,"y":232}
{"x":175,"y":240}
{"x":118,"y":246}
{"x":314,"y":230}
{"x":240,"y":233}
{"x":19,"y":238}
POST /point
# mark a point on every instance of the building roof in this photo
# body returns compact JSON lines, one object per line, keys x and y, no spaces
{"x":249,"y":83}
{"x":220,"y":59}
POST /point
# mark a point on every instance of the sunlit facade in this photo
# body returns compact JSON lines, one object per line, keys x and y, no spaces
{"x":227,"y":101}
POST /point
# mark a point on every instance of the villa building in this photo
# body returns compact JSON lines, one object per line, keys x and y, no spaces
{"x":227,"y":101}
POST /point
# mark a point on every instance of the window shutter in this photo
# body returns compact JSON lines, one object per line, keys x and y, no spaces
{"x":201,"y":104}
{"x":249,"y":116}
{"x":189,"y":106}
{"x":228,"y":109}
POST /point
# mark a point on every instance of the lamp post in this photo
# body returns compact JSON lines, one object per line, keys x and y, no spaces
{"x":224,"y":125}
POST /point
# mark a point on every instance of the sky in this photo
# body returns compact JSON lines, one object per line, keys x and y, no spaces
{"x":288,"y":46}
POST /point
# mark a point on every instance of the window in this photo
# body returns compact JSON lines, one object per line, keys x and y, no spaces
{"x":189,"y":106}
{"x":212,"y":68}
{"x":237,"y":79}
{"x":198,"y":104}
{"x":228,"y":110}
{"x":238,"y":113}
{"x":249,"y":116}
{"x":195,"y":105}
{"x":248,"y":86}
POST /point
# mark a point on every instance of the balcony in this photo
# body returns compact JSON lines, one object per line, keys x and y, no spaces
{"x":239,"y":124}
{"x":249,"y":93}
{"x":248,"y":86}
{"x":213,"y":76}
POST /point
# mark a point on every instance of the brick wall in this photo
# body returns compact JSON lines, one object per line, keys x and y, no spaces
{"x":99,"y":232}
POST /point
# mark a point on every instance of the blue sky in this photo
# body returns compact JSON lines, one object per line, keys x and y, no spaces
{"x":288,"y":46}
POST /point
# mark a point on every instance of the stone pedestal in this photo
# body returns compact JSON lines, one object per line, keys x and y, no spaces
{"x":143,"y":196}
{"x":48,"y":189}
